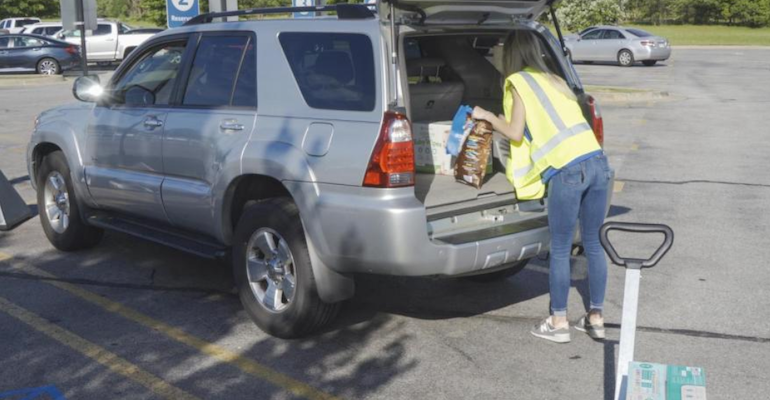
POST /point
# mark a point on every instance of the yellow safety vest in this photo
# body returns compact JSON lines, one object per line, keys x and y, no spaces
{"x":559,"y":132}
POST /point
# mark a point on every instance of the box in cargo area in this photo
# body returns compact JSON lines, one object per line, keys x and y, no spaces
{"x":430,"y":155}
{"x":650,"y":381}
{"x":429,"y":148}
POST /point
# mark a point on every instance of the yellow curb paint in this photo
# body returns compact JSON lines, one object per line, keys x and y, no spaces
{"x":4,"y":256}
{"x":217,"y":352}
{"x":618,"y":186}
{"x":95,"y":352}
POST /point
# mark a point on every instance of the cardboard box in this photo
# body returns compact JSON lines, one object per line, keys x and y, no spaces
{"x":430,"y":148}
{"x":650,"y":381}
{"x":430,"y":155}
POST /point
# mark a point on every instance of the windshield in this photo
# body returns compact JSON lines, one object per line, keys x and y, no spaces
{"x":639,"y":33}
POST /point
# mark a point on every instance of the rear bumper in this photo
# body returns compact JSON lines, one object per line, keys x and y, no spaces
{"x":384,"y":231}
{"x":653,"y":54}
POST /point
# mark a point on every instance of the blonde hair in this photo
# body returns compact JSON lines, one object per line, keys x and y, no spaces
{"x":523,"y":49}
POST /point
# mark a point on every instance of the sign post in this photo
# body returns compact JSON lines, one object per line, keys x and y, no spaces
{"x":80,"y":14}
{"x":180,"y":11}
{"x":224,"y":5}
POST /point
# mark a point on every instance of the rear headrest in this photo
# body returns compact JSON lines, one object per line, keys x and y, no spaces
{"x":336,"y":64}
{"x":424,"y":67}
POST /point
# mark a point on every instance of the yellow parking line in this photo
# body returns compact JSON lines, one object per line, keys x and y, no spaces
{"x":618,"y":186}
{"x":217,"y":352}
{"x":97,"y":353}
{"x":4,"y":256}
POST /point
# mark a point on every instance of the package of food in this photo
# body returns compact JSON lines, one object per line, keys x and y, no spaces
{"x":475,"y":156}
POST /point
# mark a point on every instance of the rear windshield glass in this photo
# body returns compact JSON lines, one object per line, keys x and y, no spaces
{"x":639,"y":32}
{"x":334,"y":71}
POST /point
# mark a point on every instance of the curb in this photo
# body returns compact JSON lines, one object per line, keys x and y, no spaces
{"x":626,"y":95}
{"x":29,"y":80}
{"x":720,"y":47}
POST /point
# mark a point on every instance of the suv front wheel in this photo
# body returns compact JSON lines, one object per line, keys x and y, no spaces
{"x":271,"y":268}
{"x":58,"y":207}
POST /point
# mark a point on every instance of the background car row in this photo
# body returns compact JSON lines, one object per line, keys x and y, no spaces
{"x":626,"y":46}
{"x":41,"y":54}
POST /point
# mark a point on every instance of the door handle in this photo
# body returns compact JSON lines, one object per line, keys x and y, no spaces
{"x":230,"y":125}
{"x":152,"y":123}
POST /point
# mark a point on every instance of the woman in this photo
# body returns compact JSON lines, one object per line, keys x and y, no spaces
{"x":557,"y":149}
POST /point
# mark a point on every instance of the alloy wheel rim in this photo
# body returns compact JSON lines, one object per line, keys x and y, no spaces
{"x":57,"y":202}
{"x":625,"y":58}
{"x":48,"y":67}
{"x":270,"y":270}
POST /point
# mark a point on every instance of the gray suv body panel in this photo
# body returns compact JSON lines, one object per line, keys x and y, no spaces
{"x":179,"y":171}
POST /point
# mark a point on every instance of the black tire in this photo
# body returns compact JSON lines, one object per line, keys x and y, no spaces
{"x":77,"y":234}
{"x":625,"y":58}
{"x":305,"y":313}
{"x":649,"y":63}
{"x":48,"y":66}
{"x":514,"y":269}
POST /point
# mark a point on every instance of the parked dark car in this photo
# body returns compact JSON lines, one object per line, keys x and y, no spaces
{"x":19,"y":52}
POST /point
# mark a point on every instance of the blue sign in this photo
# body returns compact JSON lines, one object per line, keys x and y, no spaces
{"x":45,"y":392}
{"x":303,"y":3}
{"x":180,"y":11}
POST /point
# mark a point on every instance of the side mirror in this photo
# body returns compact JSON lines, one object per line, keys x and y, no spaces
{"x":87,"y":88}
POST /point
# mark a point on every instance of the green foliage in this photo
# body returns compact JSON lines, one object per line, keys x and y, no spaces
{"x":29,"y":8}
{"x":575,"y":15}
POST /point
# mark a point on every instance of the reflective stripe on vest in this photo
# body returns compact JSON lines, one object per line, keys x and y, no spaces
{"x":547,"y":114}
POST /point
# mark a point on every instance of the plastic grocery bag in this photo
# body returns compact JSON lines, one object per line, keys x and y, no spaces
{"x":461,"y":128}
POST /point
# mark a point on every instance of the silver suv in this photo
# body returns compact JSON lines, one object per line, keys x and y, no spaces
{"x":285,"y":147}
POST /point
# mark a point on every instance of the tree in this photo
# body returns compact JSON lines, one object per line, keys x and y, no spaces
{"x":753,"y":13}
{"x":575,"y":15}
{"x":28,"y":8}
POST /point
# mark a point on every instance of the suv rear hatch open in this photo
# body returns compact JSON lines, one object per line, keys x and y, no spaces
{"x":466,"y":11}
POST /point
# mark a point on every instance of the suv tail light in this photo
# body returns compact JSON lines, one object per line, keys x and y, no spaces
{"x":71,"y":49}
{"x":392,"y":162}
{"x":597,"y":122}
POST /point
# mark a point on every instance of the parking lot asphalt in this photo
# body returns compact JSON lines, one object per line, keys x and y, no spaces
{"x":131,"y":319}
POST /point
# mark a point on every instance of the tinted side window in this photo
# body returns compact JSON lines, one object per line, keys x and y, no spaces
{"x":3,"y":42}
{"x":214,"y":70}
{"x":334,"y":71}
{"x":595,"y":34}
{"x":245,"y":94}
{"x":150,"y":80}
{"x":610,"y":34}
{"x":103,"y":29}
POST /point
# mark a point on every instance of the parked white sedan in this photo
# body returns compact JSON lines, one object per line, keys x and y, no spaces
{"x":626,"y":46}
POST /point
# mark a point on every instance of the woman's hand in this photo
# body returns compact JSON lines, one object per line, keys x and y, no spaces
{"x":481,"y":114}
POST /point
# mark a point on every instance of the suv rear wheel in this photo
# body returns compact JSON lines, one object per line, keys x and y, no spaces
{"x":512,"y":270}
{"x":271,"y":268}
{"x":58,"y":207}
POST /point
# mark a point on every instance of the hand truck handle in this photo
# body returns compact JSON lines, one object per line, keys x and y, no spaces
{"x":668,"y":241}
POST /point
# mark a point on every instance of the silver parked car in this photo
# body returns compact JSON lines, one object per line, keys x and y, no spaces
{"x":286,"y":147}
{"x":613,"y":43}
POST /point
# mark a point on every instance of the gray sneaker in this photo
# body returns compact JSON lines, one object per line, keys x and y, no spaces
{"x":546,"y":331}
{"x":594,"y":331}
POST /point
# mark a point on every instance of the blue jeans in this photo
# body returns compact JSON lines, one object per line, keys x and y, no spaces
{"x":578,"y":191}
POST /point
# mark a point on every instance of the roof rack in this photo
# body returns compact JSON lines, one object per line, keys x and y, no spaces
{"x":344,"y":11}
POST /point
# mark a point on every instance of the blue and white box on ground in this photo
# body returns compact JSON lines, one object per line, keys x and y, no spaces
{"x":650,"y":381}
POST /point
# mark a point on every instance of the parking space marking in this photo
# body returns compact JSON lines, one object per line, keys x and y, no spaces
{"x":95,"y":352}
{"x":217,"y":352}
{"x":4,"y":256}
{"x":618,"y":187}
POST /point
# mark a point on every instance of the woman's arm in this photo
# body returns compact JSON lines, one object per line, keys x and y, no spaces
{"x":513,"y":130}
